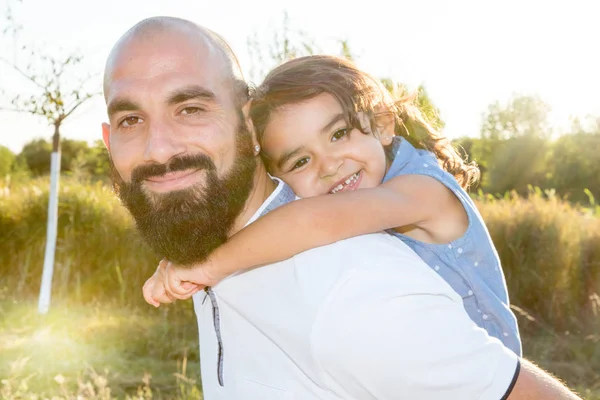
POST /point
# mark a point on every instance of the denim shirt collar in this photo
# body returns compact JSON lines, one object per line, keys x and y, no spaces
{"x":401,"y":153}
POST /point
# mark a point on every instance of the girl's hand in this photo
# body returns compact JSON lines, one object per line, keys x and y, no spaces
{"x":154,"y":288}
{"x":183,"y":282}
{"x":166,"y":287}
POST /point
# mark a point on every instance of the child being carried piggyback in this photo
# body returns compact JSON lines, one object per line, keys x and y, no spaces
{"x":362,"y":162}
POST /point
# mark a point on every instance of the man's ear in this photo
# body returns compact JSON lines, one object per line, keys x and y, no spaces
{"x":250,"y":125}
{"x":106,"y":135}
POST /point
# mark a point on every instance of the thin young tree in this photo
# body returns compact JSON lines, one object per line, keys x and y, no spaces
{"x":55,"y":91}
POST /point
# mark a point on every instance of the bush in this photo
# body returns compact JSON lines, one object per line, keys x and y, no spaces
{"x":99,"y":253}
{"x":550,"y":255}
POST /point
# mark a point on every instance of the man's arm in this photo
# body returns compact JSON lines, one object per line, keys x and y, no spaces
{"x":394,"y":329}
{"x":534,"y":383}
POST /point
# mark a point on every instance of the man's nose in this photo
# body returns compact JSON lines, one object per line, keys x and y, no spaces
{"x":329,"y":166}
{"x":163,"y":143}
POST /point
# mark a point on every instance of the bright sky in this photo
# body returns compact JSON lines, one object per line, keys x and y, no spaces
{"x":468,"y":53}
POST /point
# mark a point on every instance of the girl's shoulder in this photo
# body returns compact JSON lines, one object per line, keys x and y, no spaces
{"x":405,"y":159}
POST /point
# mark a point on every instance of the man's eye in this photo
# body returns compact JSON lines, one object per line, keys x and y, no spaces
{"x":339,"y":134}
{"x":300,"y":163}
{"x":131,"y":121}
{"x":191,"y":110}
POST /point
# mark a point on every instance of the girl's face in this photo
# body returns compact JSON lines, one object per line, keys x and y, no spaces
{"x":311,"y":148}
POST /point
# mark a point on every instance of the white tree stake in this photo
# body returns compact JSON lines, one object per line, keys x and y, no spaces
{"x":51,"y":231}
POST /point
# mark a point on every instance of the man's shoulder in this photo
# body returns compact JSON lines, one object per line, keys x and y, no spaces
{"x":377,"y":262}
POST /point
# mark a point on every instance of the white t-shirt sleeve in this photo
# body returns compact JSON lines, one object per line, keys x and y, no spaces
{"x":396,"y":330}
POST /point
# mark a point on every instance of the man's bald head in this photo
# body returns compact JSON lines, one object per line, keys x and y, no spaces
{"x":183,"y":156}
{"x":153,"y":29}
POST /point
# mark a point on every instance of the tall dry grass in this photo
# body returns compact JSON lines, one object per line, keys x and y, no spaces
{"x":99,"y":254}
{"x":550,"y":252}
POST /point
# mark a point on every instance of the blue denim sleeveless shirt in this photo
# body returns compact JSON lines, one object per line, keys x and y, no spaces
{"x":469,"y":264}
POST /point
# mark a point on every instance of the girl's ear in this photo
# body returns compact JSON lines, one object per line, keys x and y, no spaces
{"x":385,"y":126}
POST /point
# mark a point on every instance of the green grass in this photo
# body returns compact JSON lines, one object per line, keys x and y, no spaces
{"x":105,"y":346}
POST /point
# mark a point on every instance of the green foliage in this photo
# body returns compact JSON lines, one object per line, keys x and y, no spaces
{"x":77,"y":158}
{"x":36,"y":154}
{"x":515,"y":150}
{"x":574,"y":165}
{"x":96,"y":238}
{"x":522,"y":116}
{"x":431,"y":112}
{"x":516,"y":163}
{"x":7,"y":161}
{"x":422,"y":99}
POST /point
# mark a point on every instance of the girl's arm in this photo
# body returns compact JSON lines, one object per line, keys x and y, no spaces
{"x":308,"y":223}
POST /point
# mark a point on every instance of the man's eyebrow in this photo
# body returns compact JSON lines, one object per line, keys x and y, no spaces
{"x":331,"y":123}
{"x":119,"y":105}
{"x":189,"y":93}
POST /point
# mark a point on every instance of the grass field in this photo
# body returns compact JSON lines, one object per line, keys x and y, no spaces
{"x":100,"y":341}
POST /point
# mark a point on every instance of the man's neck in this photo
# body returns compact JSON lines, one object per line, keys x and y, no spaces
{"x":262,"y":189}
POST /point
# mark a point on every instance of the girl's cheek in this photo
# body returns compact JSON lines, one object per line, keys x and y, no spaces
{"x":303,"y":186}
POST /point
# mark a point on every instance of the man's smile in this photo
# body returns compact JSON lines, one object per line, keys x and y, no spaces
{"x":176,"y":180}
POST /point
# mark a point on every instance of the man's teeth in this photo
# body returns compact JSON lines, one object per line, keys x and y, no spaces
{"x":348,"y":181}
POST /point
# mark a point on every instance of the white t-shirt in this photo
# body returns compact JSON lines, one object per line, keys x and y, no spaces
{"x":363,"y":318}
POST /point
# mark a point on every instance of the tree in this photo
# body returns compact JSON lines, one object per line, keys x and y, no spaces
{"x":513,"y":143}
{"x":574,"y":161}
{"x":97,"y":161}
{"x":55,"y":93}
{"x":286,"y":43}
{"x":7,"y":161}
{"x":76,"y":156}
{"x":36,"y":155}
{"x":521,"y":116}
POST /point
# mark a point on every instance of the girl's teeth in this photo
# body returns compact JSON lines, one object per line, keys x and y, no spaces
{"x":339,"y":187}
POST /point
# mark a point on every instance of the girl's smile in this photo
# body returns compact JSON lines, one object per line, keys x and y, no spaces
{"x":311,"y":147}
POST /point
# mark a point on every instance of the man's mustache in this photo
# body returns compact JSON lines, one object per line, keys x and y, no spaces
{"x":180,"y":163}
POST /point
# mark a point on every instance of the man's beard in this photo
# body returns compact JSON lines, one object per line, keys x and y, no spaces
{"x":185,"y":226}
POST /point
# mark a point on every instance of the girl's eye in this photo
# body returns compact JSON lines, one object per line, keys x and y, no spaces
{"x":300,"y":163}
{"x":131,"y":121}
{"x":339,"y":134}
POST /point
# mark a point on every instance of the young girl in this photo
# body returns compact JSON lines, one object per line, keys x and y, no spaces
{"x":327,"y":129}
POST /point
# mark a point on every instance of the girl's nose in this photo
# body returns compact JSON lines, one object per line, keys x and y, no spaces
{"x":330,"y":166}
